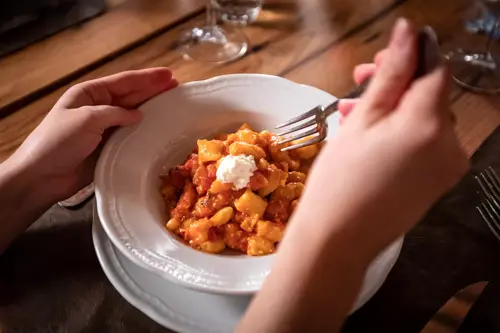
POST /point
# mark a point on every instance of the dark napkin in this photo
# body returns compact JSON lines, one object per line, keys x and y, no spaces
{"x":448,"y":250}
{"x":51,"y":281}
{"x":43,"y":289}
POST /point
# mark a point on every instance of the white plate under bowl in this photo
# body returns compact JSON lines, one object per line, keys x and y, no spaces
{"x":127,"y":183}
{"x":186,"y":310}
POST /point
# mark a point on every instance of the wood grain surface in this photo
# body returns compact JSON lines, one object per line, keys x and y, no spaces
{"x":29,"y":73}
{"x":316,"y":42}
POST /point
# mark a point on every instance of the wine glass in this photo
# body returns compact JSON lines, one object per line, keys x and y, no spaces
{"x":238,"y":12}
{"x":211,"y":43}
{"x":479,"y":70}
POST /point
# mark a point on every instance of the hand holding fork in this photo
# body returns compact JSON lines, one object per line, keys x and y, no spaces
{"x":312,"y":124}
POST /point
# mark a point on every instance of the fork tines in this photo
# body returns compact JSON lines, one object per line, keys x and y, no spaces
{"x":309,"y":124}
{"x":489,"y":209}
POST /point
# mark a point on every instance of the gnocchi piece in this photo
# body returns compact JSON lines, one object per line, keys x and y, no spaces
{"x":251,"y":204}
{"x":290,"y":191}
{"x":258,"y":181}
{"x":209,"y":204}
{"x":245,"y":126}
{"x":259,"y":246}
{"x":204,"y":207}
{"x":296,"y":177}
{"x":202,"y":235}
{"x":173,"y":224}
{"x":243,"y":148}
{"x":249,"y":223}
{"x":282,"y":156}
{"x":219,"y":187}
{"x":262,"y":164}
{"x":235,"y":237}
{"x":248,"y":136}
{"x":305,"y":153}
{"x":282,"y":166}
{"x":308,"y":152}
{"x":223,"y":216}
{"x":216,"y":246}
{"x":197,"y":232}
{"x":276,"y":178}
{"x":209,"y":150}
{"x":271,"y":231}
{"x":185,"y":226}
{"x":265,"y":137}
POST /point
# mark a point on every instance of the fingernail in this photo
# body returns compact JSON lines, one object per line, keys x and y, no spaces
{"x":401,"y":34}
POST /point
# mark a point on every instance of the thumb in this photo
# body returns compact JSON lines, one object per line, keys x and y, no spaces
{"x":103,"y":117}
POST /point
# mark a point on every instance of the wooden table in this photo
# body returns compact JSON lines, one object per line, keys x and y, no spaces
{"x":315,"y":42}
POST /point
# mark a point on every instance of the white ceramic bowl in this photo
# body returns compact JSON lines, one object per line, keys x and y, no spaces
{"x":127,"y":182}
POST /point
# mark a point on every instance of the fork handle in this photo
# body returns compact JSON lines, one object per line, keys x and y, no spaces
{"x":428,"y":59}
{"x":355,"y":93}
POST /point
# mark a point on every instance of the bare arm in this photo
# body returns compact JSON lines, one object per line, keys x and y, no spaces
{"x":313,"y":284}
{"x":23,"y":198}
{"x":59,"y":157}
{"x":395,"y":155}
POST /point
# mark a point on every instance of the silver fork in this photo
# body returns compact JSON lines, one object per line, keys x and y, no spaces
{"x":313,"y":122}
{"x":318,"y":117}
{"x":489,"y":209}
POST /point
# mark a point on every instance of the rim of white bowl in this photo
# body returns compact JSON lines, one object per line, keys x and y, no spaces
{"x":145,"y":258}
{"x":141,"y":256}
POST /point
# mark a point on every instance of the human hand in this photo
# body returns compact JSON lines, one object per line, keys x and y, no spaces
{"x":64,"y":148}
{"x":394,"y":156}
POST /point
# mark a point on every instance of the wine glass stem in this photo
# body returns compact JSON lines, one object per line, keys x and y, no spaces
{"x":211,"y":19}
{"x":491,"y":35}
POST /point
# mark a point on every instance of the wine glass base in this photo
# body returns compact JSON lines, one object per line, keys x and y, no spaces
{"x":213,"y":44}
{"x":475,"y":71}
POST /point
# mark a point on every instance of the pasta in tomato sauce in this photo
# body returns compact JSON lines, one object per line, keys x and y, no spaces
{"x":211,"y":215}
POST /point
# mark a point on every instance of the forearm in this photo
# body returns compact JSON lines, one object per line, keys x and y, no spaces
{"x":23,"y":199}
{"x":317,"y":275}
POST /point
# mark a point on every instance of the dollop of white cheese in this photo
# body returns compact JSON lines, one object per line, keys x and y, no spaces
{"x":236,"y":170}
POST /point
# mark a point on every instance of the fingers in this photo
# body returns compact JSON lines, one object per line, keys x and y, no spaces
{"x":380,"y":56}
{"x":428,"y":97}
{"x":127,"y":89}
{"x":346,"y":105}
{"x":360,"y":74}
{"x":363,"y":72}
{"x":395,"y":73}
{"x":140,"y":96}
{"x":103,"y":117}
